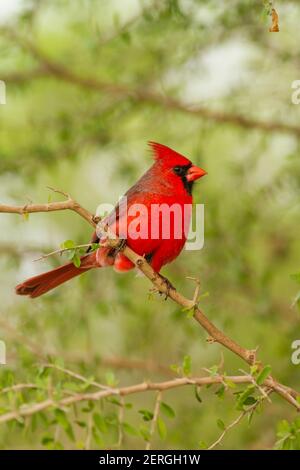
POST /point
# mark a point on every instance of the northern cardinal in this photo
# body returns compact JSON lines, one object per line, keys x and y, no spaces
{"x":169,"y":180}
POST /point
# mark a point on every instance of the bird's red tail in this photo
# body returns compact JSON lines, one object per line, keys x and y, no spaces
{"x":39,"y":285}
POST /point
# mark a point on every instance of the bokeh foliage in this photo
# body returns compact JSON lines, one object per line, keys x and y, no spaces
{"x":91,"y":142}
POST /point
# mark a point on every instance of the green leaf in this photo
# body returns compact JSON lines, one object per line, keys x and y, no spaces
{"x":197,"y":394}
{"x":250,"y":401}
{"x":189,"y":311}
{"x":205,"y":294}
{"x":253,"y":369}
{"x":221,"y":392}
{"x":47,"y":440}
{"x":187,"y":365}
{"x":111,"y":379}
{"x":114,"y":401}
{"x":33,"y":423}
{"x":146,"y":414}
{"x":82,"y":424}
{"x":99,"y":422}
{"x":296,"y":277}
{"x":221,"y":425}
{"x":130,"y":429}
{"x":167,"y":410}
{"x":229,"y":383}
{"x":264,"y":373}
{"x":145,"y":433}
{"x":161,"y":427}
{"x":62,"y":420}
{"x":97,"y":437}
{"x":67,"y":244}
{"x":244,"y":395}
{"x":283,"y":428}
{"x":70,"y":254}
{"x":250,"y":416}
{"x":76,"y":260}
{"x":59,"y":361}
{"x":213,"y":371}
{"x":203,"y":445}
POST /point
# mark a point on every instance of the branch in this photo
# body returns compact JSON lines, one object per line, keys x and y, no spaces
{"x":61,"y":72}
{"x":154,"y":419}
{"x":60,"y":251}
{"x":75,"y":375}
{"x":70,"y":204}
{"x":164,"y":287}
{"x":28,"y":410}
{"x":234,"y":423}
{"x":23,"y":77}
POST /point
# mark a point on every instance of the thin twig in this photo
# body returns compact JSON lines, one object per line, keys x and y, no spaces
{"x":89,"y":432}
{"x":120,"y":422}
{"x":63,"y":250}
{"x":154,"y":419}
{"x":19,"y":387}
{"x":250,"y":409}
{"x":77,"y":376}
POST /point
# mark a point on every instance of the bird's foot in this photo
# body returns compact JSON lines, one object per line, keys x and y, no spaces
{"x":169,"y":286}
{"x":121,"y":245}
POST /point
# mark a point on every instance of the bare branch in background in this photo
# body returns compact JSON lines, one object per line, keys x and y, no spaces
{"x":59,"y":71}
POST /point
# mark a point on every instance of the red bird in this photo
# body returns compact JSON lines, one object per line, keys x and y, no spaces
{"x":168,"y":182}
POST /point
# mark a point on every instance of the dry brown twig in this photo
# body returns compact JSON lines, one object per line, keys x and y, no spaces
{"x":163,"y":286}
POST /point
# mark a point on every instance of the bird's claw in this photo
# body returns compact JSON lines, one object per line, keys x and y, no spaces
{"x":169,"y":286}
{"x":121,"y":245}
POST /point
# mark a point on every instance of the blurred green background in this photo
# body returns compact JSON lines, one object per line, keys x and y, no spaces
{"x":88,"y":83}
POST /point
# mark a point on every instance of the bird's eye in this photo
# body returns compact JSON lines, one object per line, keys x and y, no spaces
{"x":178,"y":170}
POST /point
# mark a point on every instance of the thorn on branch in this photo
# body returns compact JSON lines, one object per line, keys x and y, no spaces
{"x":59,"y":191}
{"x":139,"y":262}
{"x":96,"y":219}
{"x":252,"y":355}
{"x":197,"y":290}
{"x":210,"y":340}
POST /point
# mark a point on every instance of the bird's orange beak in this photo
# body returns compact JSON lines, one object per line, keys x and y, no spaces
{"x":195,"y":173}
